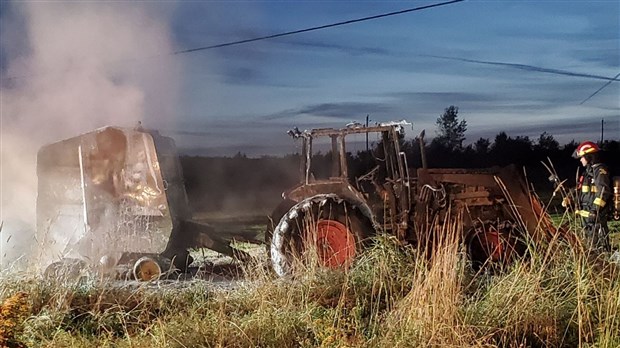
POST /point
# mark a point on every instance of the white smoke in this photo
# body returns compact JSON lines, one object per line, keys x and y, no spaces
{"x":71,"y":68}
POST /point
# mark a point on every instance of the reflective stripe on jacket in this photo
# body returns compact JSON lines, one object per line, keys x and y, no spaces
{"x":595,"y":193}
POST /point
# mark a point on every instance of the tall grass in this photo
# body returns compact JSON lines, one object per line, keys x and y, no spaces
{"x":392,"y":296}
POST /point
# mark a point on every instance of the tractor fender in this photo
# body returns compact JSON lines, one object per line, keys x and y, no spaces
{"x":336,"y":187}
{"x":337,"y":190}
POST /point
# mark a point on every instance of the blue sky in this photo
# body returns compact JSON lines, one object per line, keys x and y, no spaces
{"x":508,"y":66}
{"x":398,"y":67}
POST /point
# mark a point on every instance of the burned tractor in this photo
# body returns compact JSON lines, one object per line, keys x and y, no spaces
{"x":336,"y":216}
{"x":115,"y":199}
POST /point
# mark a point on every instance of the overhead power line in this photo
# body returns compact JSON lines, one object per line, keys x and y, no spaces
{"x":233,"y":43}
{"x":239,"y":42}
{"x":600,"y":89}
{"x":532,"y":68}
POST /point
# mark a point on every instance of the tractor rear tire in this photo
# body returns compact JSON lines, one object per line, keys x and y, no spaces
{"x":321,"y":231}
{"x":274,"y":219}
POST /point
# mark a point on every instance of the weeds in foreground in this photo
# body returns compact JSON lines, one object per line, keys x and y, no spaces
{"x":390,"y":297}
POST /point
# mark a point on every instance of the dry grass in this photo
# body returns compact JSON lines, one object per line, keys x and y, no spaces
{"x":391,"y":297}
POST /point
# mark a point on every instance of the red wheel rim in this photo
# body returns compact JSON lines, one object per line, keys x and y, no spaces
{"x":493,"y":245}
{"x":335,"y":244}
{"x":496,"y":245}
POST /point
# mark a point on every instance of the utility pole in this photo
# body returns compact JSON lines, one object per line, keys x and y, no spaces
{"x":366,"y":133}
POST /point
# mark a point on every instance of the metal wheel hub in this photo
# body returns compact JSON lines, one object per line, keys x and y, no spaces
{"x":494,"y":243}
{"x":335,"y":244}
{"x":146,"y":269}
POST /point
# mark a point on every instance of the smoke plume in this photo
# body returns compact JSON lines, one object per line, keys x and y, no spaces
{"x":68,"y":68}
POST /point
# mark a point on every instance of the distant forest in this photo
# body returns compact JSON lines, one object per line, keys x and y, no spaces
{"x":242,"y":185}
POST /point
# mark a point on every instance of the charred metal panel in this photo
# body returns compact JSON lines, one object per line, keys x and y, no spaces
{"x":499,"y":187}
{"x":102,"y":193}
{"x":172,"y":175}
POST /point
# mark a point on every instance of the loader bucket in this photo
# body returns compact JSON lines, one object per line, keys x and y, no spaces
{"x":499,"y":212}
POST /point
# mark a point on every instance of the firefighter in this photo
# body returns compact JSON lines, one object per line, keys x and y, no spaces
{"x":594,"y":196}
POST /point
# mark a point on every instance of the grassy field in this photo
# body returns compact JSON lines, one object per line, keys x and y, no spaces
{"x":559,"y":296}
{"x":614,"y":234}
{"x":614,"y":228}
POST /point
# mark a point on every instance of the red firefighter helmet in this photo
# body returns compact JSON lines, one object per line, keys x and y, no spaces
{"x":585,"y":148}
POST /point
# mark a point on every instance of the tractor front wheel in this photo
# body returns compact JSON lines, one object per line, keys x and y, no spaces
{"x":494,"y":244}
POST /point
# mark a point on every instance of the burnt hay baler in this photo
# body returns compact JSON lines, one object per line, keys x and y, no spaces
{"x":114,"y":200}
{"x":335,"y":216}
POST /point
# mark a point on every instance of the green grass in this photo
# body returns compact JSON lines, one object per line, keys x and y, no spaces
{"x":614,"y":234}
{"x":614,"y":227}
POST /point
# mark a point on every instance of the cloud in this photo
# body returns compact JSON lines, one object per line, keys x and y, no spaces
{"x":344,"y":109}
{"x":188,"y":133}
{"x":241,"y":75}
{"x":347,"y":49}
{"x":341,"y":111}
{"x":442,"y":97}
{"x":381,"y":65}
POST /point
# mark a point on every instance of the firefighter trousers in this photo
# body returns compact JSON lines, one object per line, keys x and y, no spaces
{"x":597,"y":236}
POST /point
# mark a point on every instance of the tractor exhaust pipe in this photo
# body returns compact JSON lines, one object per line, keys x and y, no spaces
{"x":422,"y":152}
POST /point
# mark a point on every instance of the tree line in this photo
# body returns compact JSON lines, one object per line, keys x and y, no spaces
{"x":239,"y":184}
{"x":446,"y":150}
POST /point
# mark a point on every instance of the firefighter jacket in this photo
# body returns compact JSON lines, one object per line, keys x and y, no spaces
{"x":594,"y":193}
